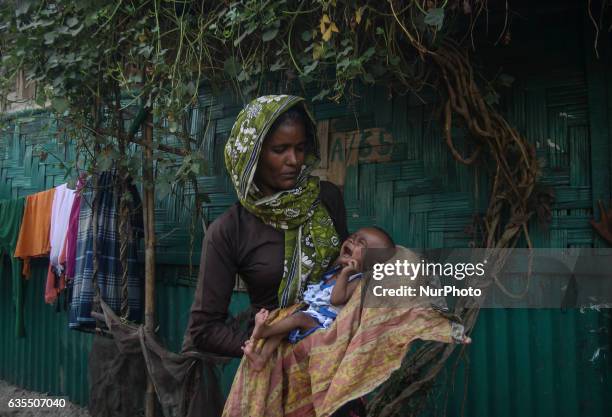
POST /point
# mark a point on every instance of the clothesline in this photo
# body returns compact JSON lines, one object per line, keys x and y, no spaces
{"x":57,"y":223}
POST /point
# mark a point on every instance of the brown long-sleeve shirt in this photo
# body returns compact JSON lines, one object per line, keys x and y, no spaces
{"x":238,"y":242}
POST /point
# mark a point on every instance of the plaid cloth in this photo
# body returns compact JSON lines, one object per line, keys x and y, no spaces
{"x":109,"y":263}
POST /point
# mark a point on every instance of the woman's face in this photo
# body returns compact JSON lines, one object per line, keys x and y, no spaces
{"x":281,"y":159}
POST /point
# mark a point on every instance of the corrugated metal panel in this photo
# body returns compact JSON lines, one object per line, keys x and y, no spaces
{"x":173,"y":307}
{"x":50,"y":358}
{"x":532,"y":363}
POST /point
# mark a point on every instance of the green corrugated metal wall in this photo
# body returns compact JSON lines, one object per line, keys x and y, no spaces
{"x":50,"y":358}
{"x":537,"y":362}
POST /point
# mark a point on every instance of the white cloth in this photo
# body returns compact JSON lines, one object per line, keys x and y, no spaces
{"x":60,"y":216}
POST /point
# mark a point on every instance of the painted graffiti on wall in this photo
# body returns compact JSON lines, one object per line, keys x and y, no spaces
{"x":339,"y":150}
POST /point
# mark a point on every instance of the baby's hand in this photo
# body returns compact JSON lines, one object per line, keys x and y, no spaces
{"x":351,"y":267}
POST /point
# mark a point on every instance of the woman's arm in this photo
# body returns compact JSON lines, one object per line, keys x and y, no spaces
{"x":207,"y":329}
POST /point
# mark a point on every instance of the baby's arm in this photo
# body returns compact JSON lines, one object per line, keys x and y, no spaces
{"x":343,"y":289}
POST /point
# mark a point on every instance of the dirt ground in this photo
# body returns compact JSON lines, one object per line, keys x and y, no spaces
{"x":8,"y":392}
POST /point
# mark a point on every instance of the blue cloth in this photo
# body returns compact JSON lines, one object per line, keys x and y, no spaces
{"x":109,"y":263}
{"x":318,"y":298}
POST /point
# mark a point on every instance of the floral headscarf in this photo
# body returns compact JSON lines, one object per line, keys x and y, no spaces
{"x":311,"y":241}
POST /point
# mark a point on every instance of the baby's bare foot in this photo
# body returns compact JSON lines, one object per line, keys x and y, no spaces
{"x":260,"y":323}
{"x":458,"y":334}
{"x":261,"y":316}
{"x":256,"y":360}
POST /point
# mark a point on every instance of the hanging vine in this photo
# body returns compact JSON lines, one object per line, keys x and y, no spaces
{"x":509,"y":209}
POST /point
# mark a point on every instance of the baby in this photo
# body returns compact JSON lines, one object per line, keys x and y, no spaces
{"x":324,"y":299}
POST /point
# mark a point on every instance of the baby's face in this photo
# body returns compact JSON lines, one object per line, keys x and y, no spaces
{"x":354,"y":247}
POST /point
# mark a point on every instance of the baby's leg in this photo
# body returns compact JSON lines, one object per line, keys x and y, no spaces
{"x":260,"y":322}
{"x":255,"y":358}
{"x":299,"y":320}
{"x":458,"y":333}
{"x":259,"y":359}
{"x":273,"y":333}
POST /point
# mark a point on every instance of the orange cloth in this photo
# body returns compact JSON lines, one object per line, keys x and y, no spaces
{"x":35,"y":228}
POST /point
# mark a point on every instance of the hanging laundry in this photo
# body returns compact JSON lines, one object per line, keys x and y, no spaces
{"x":35,"y":226}
{"x":11,"y":214}
{"x":60,"y":217}
{"x":68,"y":255}
{"x":109,"y":270}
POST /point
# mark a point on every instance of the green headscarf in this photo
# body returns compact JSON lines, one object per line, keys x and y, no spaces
{"x":311,"y":241}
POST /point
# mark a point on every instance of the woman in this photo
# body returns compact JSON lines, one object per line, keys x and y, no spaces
{"x":281,"y":234}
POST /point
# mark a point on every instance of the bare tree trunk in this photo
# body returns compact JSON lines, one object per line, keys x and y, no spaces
{"x":149,"y":238}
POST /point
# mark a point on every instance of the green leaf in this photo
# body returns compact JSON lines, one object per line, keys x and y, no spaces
{"x":40,"y":99}
{"x":77,"y":30}
{"x":191,"y":88}
{"x":435,"y":17}
{"x":306,"y":35}
{"x":317,"y":51}
{"x":58,"y":81}
{"x":346,"y":51}
{"x":309,"y":68}
{"x":344,"y":63}
{"x":146,"y":51}
{"x":269,"y":35}
{"x":243,"y":76}
{"x":50,"y":37}
{"x":60,"y":104}
{"x":278,"y":65}
{"x":322,"y":94}
{"x":72,"y":21}
{"x":135,"y":78}
{"x":368,"y":53}
{"x":23,"y":8}
{"x":251,"y":28}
